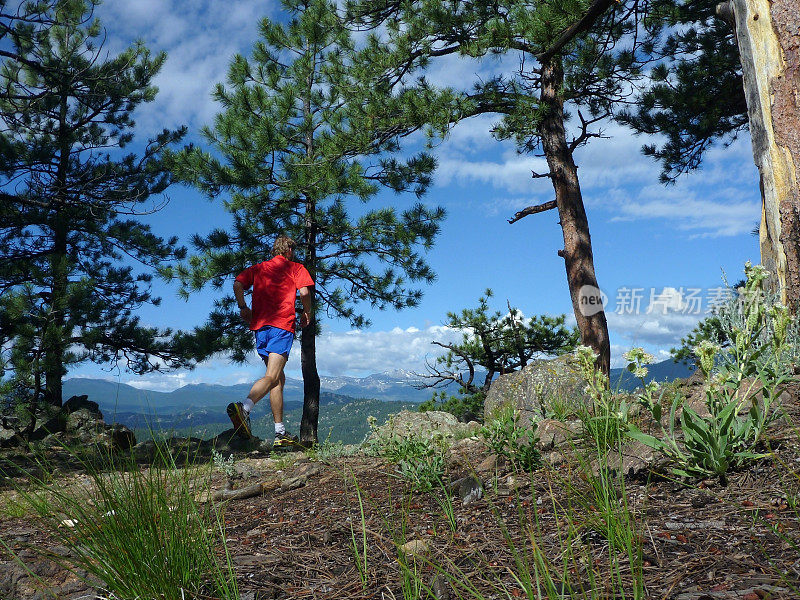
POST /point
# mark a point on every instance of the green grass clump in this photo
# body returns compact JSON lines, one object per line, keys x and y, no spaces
{"x":141,"y":532}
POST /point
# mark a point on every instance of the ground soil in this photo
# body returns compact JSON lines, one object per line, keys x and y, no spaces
{"x":700,"y":541}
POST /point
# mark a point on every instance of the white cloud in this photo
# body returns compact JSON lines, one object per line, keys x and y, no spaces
{"x":356,"y":353}
{"x":363,"y":352}
{"x":513,"y":174}
{"x":200,"y":38}
{"x":722,"y":199}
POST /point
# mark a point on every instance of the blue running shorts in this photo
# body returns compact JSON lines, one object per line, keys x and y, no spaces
{"x":273,"y":339}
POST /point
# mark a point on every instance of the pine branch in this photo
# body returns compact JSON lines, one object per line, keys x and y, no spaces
{"x":532,"y":210}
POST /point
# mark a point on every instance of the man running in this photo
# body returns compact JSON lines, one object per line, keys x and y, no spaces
{"x":275,"y":285}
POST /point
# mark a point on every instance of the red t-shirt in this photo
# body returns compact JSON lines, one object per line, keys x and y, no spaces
{"x":275,"y":283}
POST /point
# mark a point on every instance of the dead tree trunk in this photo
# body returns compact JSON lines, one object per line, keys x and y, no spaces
{"x":768,"y":35}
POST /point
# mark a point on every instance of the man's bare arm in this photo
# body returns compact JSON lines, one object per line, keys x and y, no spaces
{"x":244,"y":310}
{"x":305,"y":298}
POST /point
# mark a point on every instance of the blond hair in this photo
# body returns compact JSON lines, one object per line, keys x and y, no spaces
{"x":283,"y":245}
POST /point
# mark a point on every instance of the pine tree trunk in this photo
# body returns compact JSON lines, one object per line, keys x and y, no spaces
{"x":577,"y":252}
{"x":308,"y":340}
{"x":766,"y":32}
{"x":54,"y":329}
{"x":311,"y":385}
{"x":55,"y":342}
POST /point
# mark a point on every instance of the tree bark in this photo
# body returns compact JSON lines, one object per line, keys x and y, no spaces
{"x":54,"y":334}
{"x":577,"y":253}
{"x":54,"y":328}
{"x":308,"y":340}
{"x":768,"y":35}
{"x":311,"y":381}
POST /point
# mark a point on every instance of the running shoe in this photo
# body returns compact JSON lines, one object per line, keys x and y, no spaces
{"x":285,"y":441}
{"x":240,"y":419}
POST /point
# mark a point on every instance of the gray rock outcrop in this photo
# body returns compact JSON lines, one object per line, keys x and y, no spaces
{"x":425,"y":425}
{"x":531,"y":391}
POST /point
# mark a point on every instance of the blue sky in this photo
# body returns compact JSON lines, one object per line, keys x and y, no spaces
{"x":670,"y":244}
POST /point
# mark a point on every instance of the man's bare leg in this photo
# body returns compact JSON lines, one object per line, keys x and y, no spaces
{"x":276,"y":399}
{"x":271,"y":379}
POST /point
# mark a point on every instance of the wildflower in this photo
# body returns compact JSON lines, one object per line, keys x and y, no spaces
{"x":585,"y":352}
{"x":640,"y":372}
{"x":652,"y":387}
{"x":754,"y":274}
{"x":780,"y":319}
{"x":371,"y":421}
{"x":706,"y":351}
{"x":639,"y":356}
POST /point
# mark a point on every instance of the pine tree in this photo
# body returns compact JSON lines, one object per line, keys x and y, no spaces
{"x":307,"y":129}
{"x":576,"y":56}
{"x":73,"y":259}
{"x":730,"y":67}
{"x":492,"y":344}
{"x":696,"y":97}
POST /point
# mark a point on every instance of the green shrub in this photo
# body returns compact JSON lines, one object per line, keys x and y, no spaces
{"x":467,"y":407}
{"x":506,"y":437}
{"x":418,"y":460}
{"x":744,"y":382}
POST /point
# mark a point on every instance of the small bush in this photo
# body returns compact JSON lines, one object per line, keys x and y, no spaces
{"x":419,"y":461}
{"x":506,"y":437}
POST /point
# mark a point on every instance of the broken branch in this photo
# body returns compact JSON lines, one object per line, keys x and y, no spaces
{"x":532,"y":210}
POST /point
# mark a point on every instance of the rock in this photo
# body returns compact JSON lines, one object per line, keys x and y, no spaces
{"x":81,"y":419}
{"x":634,"y":458}
{"x":309,"y":469}
{"x":122,"y":438}
{"x":83,"y":402}
{"x":426,"y":425}
{"x":301,"y":475}
{"x":554,"y":433}
{"x":514,"y":483}
{"x":468,"y":489}
{"x":49,"y":419}
{"x":463,"y":454}
{"x":530,"y":390}
{"x":414,"y":548}
{"x":8,"y":437}
{"x":491,"y":464}
{"x":439,"y":588}
{"x":554,"y":458}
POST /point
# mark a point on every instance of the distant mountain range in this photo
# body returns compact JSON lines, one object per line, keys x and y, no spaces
{"x":394,"y":386}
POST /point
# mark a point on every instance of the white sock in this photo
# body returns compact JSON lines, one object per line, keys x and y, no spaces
{"x":248,"y":405}
{"x":279,"y":428}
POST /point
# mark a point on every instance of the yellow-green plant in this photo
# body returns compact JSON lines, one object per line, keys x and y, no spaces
{"x":743,"y":384}
{"x":506,"y":436}
{"x":605,"y":417}
{"x":358,"y":543}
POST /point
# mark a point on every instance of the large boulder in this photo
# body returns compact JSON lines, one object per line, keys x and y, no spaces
{"x":8,"y":435}
{"x":426,"y":425}
{"x":531,"y":391}
{"x":49,"y":419}
{"x":83,"y":403}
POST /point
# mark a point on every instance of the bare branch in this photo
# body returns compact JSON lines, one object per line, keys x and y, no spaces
{"x":532,"y":210}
